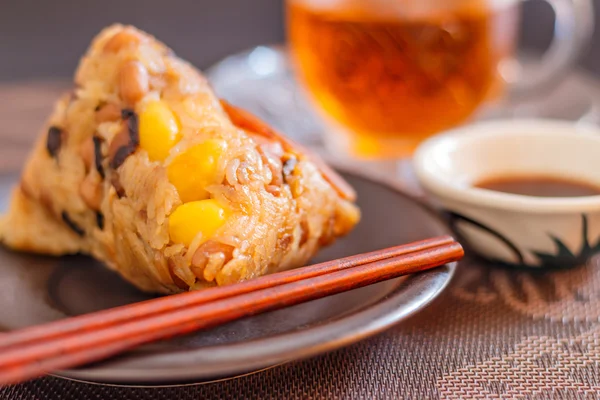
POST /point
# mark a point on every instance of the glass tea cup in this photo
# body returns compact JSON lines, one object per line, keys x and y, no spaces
{"x":387,"y":74}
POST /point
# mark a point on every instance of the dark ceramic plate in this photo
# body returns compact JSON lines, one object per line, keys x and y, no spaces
{"x":36,"y":289}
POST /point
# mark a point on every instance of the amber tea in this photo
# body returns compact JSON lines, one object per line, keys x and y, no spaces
{"x":394,"y":78}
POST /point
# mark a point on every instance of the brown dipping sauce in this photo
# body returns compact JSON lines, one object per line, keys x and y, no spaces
{"x":540,"y":186}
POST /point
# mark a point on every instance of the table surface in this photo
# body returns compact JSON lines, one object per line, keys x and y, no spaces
{"x":494,"y":333}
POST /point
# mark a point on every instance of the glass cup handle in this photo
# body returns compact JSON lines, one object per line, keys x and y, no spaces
{"x":573,"y":29}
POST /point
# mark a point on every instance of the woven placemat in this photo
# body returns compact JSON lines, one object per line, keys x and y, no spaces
{"x":495,"y":333}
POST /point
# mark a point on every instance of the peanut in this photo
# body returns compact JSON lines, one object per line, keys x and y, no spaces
{"x":180,"y":283}
{"x":108,"y":112}
{"x":121,"y":40}
{"x":90,"y":191}
{"x":121,"y":147}
{"x":133,"y":81}
{"x":203,"y":253}
{"x":86,"y":151}
{"x":274,"y":190}
{"x":304,"y":231}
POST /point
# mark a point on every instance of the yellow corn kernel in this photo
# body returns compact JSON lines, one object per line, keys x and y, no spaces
{"x":190,"y":219}
{"x":159,"y":130}
{"x":191,"y":171}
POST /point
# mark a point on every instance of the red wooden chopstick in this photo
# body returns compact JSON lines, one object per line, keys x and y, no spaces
{"x":96,"y":336}
{"x":165,"y":304}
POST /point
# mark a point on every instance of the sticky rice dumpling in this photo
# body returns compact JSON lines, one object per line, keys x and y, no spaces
{"x":142,"y":167}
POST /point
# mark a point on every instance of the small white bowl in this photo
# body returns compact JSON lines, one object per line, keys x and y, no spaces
{"x":515,"y":229}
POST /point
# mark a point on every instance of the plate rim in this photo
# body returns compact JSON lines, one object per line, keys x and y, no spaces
{"x":347,"y":330}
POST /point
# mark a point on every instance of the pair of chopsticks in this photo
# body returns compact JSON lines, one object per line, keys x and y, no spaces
{"x":71,"y":342}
